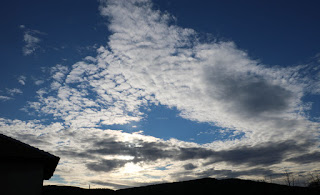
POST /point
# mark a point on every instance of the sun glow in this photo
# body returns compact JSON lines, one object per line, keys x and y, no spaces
{"x":132,"y":168}
{"x":118,"y":157}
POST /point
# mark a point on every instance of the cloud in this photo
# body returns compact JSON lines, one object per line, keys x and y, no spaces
{"x":22,"y":79}
{"x":31,"y":44}
{"x":89,"y":96}
{"x":38,"y":82}
{"x":139,"y":150}
{"x":250,"y":95}
{"x":265,"y":155}
{"x":109,"y":184}
{"x":31,"y":40}
{"x":14,"y":91}
{"x":92,"y":154}
{"x":235,"y":174}
{"x":150,"y":61}
{"x":212,"y":82}
{"x":59,"y":72}
{"x":121,"y":148}
{"x":106,"y":165}
{"x":306,"y":158}
{"x":5,"y":98}
{"x":189,"y":166}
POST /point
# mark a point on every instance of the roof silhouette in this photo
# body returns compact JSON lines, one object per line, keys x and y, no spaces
{"x":13,"y":150}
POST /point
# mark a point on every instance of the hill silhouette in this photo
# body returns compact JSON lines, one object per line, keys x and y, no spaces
{"x":199,"y":186}
{"x":70,"y":190}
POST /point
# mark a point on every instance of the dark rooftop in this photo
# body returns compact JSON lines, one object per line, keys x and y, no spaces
{"x":12,"y":150}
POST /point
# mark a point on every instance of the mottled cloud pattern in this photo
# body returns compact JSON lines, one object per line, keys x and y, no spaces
{"x":150,"y":61}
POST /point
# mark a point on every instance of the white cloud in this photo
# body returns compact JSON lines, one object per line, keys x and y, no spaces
{"x":5,"y":98}
{"x":31,"y":44}
{"x":38,"y":82}
{"x":89,"y":96}
{"x":59,"y":72}
{"x":22,"y":79}
{"x":149,"y":61}
{"x":31,"y":39}
{"x":14,"y":91}
{"x":208,"y":82}
{"x":11,"y":92}
{"x":92,"y":155}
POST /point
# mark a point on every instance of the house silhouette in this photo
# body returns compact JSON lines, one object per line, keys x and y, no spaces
{"x":23,"y":167}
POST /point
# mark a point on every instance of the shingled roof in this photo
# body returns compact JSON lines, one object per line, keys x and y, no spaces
{"x":12,"y":150}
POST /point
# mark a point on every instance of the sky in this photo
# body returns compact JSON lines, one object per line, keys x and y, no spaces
{"x":136,"y":92}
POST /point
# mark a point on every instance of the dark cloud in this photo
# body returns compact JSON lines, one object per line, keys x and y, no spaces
{"x":189,"y":166}
{"x":195,"y":153}
{"x":151,"y":151}
{"x":306,"y":158}
{"x":262,"y":155}
{"x":109,"y":184}
{"x":106,"y":165}
{"x":234,"y":174}
{"x":32,"y":139}
{"x":226,"y":173}
{"x":267,"y":154}
{"x":140,"y":150}
{"x":247,"y":93}
{"x":74,"y":154}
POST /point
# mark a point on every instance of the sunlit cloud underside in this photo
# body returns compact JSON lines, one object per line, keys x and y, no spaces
{"x":150,"y":61}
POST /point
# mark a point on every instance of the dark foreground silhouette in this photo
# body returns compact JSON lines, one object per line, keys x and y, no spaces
{"x":199,"y":186}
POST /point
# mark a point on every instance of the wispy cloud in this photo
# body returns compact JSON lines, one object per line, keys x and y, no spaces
{"x":31,"y":39}
{"x":22,"y":79}
{"x":5,"y":98}
{"x":14,"y":91}
{"x":38,"y":82}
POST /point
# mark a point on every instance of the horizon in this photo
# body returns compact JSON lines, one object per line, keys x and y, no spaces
{"x":136,"y":92}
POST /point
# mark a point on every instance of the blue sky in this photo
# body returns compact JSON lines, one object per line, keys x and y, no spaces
{"x":118,"y":89}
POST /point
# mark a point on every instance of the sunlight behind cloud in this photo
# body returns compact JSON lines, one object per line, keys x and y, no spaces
{"x":150,"y":62}
{"x":131,"y":168}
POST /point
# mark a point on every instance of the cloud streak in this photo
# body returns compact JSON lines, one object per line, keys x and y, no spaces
{"x":95,"y":155}
{"x":14,"y":91}
{"x":5,"y":98}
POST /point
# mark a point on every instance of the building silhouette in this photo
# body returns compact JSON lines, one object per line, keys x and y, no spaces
{"x":23,"y":167}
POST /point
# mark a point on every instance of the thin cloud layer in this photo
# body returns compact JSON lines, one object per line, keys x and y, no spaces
{"x":31,"y":40}
{"x":150,"y":61}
